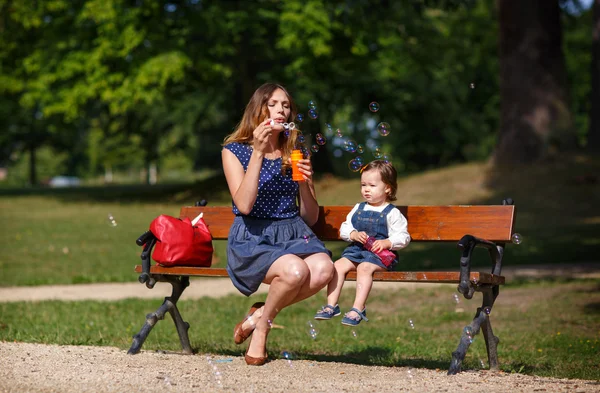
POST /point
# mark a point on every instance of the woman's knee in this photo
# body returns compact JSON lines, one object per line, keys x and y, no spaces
{"x":322,"y":271}
{"x":295,"y":272}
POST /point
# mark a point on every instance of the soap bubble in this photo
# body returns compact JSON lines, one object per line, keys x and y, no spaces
{"x":329,"y":130}
{"x":516,"y":238}
{"x":301,"y":138}
{"x":299,"y":117}
{"x":287,"y":356}
{"x":472,"y":85}
{"x":359,"y":160}
{"x":469,"y":333}
{"x":111,"y":220}
{"x":456,"y":298}
{"x":411,"y":324}
{"x":386,"y":158}
{"x":354,"y":166}
{"x":374,"y":106}
{"x":313,"y":114}
{"x":306,"y":238}
{"x":354,"y":334}
{"x":312,"y":104}
{"x":360,"y":149}
{"x":350,"y":145}
{"x":320,"y":139}
{"x":339,"y":133}
{"x":383,"y":128}
{"x":377,"y":153}
{"x":312,"y":330}
{"x":314,"y":148}
{"x":487,"y":310}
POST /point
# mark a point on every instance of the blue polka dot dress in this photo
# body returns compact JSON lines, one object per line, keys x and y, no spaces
{"x":271,"y":230}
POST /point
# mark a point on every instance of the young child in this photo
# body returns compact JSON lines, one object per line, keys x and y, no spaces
{"x":376,"y":218}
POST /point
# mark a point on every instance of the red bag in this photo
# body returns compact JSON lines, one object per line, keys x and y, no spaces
{"x":181,"y":244}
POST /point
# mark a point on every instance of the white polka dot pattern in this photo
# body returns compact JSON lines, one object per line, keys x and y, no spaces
{"x":276,"y":193}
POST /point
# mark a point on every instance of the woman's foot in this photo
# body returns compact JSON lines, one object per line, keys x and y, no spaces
{"x":256,"y":354}
{"x":244,"y":329}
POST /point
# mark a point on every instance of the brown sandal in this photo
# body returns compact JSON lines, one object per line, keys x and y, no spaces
{"x":250,"y":361}
{"x":239,"y":334}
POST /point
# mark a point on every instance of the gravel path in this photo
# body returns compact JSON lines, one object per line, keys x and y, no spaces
{"x":28,"y":367}
{"x":66,"y":369}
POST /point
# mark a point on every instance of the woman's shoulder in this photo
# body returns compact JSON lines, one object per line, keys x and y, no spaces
{"x":238,"y":148}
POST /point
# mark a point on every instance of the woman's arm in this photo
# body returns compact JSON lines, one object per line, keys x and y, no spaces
{"x":243,"y":186}
{"x":307,"y":199}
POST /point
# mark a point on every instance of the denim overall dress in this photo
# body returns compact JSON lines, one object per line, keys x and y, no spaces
{"x":374,"y":224}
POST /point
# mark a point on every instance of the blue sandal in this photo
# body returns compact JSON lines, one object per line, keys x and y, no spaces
{"x":353,"y":322}
{"x":328,"y":312}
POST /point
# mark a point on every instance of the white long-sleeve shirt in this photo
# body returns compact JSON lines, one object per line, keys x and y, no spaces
{"x":396,"y":224}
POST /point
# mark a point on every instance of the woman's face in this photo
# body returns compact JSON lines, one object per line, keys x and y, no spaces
{"x":279,"y":107}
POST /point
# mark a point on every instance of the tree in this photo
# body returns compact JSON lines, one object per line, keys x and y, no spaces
{"x":593,"y":140}
{"x":535,"y":116}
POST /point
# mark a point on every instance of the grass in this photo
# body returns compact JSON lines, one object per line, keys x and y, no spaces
{"x":546,"y":328}
{"x":63,"y":236}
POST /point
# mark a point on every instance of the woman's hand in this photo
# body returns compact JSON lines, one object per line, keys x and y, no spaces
{"x":380,"y":245}
{"x":305,"y":168}
{"x":262,"y":135}
{"x":360,"y":237}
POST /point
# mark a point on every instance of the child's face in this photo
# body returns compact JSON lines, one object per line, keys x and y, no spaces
{"x":372,"y":188}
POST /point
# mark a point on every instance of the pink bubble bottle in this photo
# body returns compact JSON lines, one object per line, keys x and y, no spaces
{"x":386,"y":256}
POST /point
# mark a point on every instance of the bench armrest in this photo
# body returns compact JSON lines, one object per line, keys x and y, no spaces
{"x":148,"y":240}
{"x":467,"y":244}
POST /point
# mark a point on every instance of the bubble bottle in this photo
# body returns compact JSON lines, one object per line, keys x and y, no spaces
{"x":296,"y":156}
{"x":386,"y":256}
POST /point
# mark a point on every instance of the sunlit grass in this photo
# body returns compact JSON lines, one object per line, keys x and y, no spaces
{"x":545,"y":329}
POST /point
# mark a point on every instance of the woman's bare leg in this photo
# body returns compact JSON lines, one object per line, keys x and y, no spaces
{"x":286,"y":277}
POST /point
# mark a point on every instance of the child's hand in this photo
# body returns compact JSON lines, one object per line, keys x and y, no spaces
{"x":360,"y":237}
{"x":379,"y":245}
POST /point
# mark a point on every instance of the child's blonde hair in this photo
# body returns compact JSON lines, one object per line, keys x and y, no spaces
{"x":389,"y":176}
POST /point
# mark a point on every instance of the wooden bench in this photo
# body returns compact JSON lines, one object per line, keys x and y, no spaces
{"x":490,"y":227}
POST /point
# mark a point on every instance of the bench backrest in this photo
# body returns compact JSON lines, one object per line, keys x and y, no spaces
{"x":425,"y":223}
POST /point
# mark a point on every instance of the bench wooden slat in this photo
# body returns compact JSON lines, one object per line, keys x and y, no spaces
{"x":425,"y":223}
{"x":433,"y":277}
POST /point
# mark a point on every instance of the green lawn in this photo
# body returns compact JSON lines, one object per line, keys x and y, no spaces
{"x":64,"y":236}
{"x":546,"y":329}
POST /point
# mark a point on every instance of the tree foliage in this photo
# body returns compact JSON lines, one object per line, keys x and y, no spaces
{"x":127,"y":83}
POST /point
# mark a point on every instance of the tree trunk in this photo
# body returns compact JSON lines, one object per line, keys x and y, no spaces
{"x":32,"y":165}
{"x":535,"y":118}
{"x":593,"y":140}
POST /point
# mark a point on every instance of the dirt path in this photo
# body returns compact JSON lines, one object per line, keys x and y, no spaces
{"x":28,"y":367}
{"x":66,"y":369}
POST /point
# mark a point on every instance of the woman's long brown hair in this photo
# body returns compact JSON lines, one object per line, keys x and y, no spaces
{"x":256,"y":112}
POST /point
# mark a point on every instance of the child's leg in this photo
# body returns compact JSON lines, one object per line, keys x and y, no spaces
{"x":334,"y":288}
{"x":364,"y":283}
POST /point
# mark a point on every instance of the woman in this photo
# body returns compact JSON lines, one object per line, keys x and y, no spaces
{"x":271,"y":240}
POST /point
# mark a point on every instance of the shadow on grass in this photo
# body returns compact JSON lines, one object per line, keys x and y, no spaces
{"x":213,"y":188}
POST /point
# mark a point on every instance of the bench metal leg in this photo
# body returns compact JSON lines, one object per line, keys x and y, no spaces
{"x":481,"y":320}
{"x":179,"y":284}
